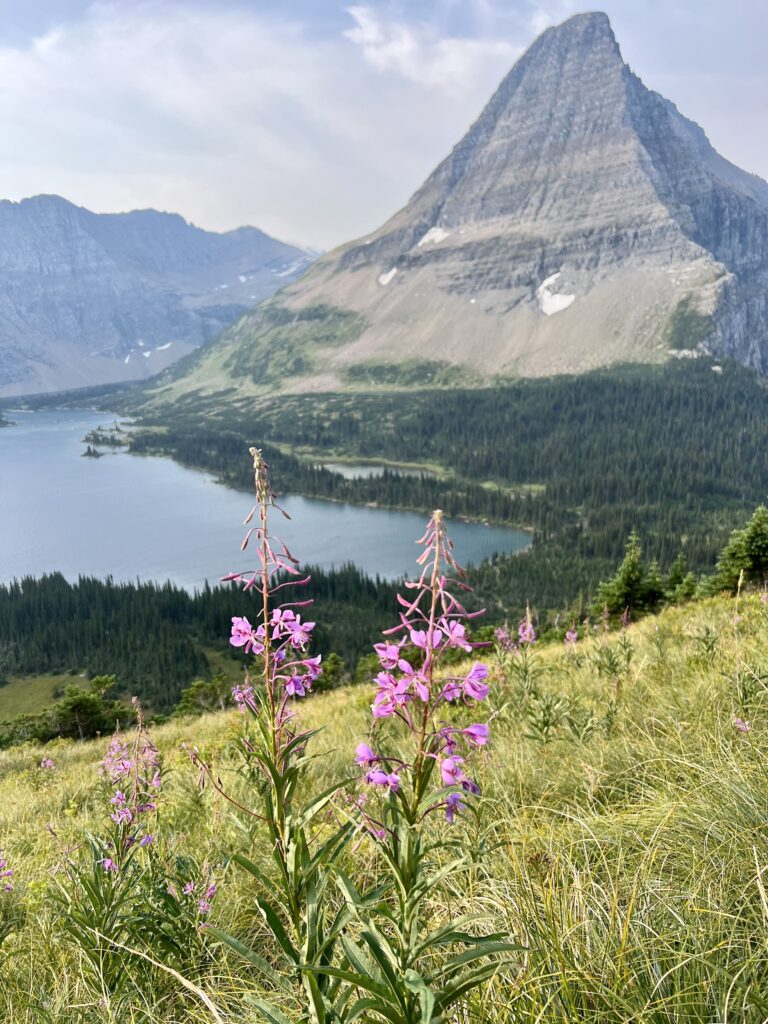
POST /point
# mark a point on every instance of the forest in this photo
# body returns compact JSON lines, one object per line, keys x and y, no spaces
{"x":675,"y":452}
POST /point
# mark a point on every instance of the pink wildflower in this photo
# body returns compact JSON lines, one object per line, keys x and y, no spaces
{"x":477,"y":734}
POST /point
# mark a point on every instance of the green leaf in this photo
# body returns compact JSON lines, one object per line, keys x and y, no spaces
{"x":269,"y":1012}
{"x":272,"y":917}
{"x":459,"y":987}
{"x":384,"y":956}
{"x":368,"y":984}
{"x":368,"y":1003}
{"x":482,"y":949}
{"x":248,"y":954}
{"x":257,"y":873}
{"x":416,"y":984}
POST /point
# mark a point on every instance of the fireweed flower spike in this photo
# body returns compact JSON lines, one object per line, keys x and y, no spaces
{"x":416,"y":690}
{"x":432,"y":621}
{"x":294,"y":882}
{"x":133,"y":771}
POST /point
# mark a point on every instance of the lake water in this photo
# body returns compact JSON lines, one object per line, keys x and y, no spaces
{"x":127,"y":516}
{"x":365,"y":471}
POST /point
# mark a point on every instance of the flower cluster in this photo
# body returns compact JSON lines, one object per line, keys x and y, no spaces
{"x":47,"y":763}
{"x":133,"y":770}
{"x":287,"y":636}
{"x":280,"y":641}
{"x":207,"y":894}
{"x":410,"y":688}
{"x":6,"y":874}
{"x":571,"y":638}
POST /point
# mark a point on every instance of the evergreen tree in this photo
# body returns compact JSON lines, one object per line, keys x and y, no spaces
{"x":627,"y":591}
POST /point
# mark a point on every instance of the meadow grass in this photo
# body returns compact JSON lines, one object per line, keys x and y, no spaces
{"x":22,"y":695}
{"x":622,"y":841}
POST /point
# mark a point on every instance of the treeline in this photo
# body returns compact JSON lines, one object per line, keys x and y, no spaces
{"x":226,"y":454}
{"x":157,"y":639}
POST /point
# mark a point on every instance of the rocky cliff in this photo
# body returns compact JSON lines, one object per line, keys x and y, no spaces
{"x":93,"y":298}
{"x":581,"y":221}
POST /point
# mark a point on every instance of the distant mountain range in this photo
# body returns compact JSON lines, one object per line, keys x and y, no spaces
{"x":581,"y":221}
{"x":91,"y":298}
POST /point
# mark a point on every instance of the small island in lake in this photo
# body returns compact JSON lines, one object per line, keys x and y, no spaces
{"x":91,"y":453}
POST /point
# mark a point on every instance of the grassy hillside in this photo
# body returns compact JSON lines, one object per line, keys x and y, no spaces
{"x":623,"y":838}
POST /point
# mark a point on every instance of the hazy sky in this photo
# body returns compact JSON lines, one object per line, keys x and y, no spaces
{"x":316,"y":119}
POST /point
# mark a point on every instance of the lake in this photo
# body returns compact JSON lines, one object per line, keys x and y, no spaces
{"x":143,"y":517}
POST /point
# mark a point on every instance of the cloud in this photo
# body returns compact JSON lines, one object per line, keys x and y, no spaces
{"x":420,"y":54}
{"x":231,"y":116}
{"x":312,"y":125}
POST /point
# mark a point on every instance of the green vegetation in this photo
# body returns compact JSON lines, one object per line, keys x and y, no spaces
{"x":22,"y":695}
{"x":410,"y":373}
{"x":687,"y":327}
{"x":51,"y":627}
{"x":620,"y":837}
{"x":276,"y":343}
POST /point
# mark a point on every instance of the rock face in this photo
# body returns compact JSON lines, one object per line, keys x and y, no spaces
{"x":93,"y":298}
{"x":581,"y":221}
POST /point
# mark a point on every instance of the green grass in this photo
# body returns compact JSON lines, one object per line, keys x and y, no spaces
{"x":23,"y":695}
{"x":627,"y":851}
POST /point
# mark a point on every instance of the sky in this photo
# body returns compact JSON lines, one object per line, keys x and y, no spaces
{"x":315,"y":120}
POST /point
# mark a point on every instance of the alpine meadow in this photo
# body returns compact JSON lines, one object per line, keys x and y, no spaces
{"x":383,"y":625}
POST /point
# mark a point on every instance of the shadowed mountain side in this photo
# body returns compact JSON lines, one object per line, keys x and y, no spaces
{"x":91,"y":298}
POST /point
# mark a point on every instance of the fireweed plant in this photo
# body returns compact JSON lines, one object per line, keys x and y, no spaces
{"x":123,"y":891}
{"x":401,"y":959}
{"x":294,"y":885}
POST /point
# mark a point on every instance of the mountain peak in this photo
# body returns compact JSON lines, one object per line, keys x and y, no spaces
{"x":580,"y":221}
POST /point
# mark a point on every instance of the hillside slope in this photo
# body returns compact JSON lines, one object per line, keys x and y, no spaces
{"x":622,"y":844}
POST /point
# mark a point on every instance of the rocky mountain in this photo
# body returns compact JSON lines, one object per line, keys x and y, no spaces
{"x":581,"y":221}
{"x":91,"y":298}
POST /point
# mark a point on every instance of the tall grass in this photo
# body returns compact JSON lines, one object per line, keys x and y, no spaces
{"x":625,"y":845}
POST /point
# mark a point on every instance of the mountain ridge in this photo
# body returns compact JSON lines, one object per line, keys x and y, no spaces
{"x":575,"y":188}
{"x":88,"y":299}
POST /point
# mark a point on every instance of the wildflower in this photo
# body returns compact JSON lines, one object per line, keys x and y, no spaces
{"x":456,"y":634}
{"x":189,"y":888}
{"x":571,"y":638}
{"x":295,"y":686}
{"x":477,"y":734}
{"x":244,"y":635}
{"x":388,"y":654}
{"x":473,"y":685}
{"x":108,"y":864}
{"x":453,"y":805}
{"x":47,"y":763}
{"x":380,"y":778}
{"x":740,"y":725}
{"x":423,"y":638}
{"x":364,"y":756}
{"x":451,"y":691}
{"x":313,"y":667}
{"x":146,"y":840}
{"x":243,"y":697}
{"x":450,"y":770}
{"x":525,"y":631}
{"x":299,"y":632}
{"x":504,"y":640}
{"x":6,"y":874}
